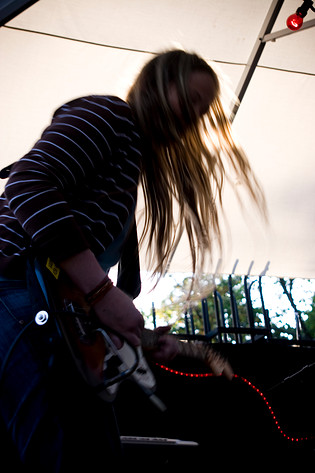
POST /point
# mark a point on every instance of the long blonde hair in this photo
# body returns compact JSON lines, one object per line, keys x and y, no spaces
{"x":183,"y":166}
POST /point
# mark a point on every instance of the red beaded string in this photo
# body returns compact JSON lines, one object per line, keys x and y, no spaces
{"x":252,"y":386}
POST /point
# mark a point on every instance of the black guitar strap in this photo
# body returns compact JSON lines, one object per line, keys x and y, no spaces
{"x":35,"y":288}
{"x":5,"y":172}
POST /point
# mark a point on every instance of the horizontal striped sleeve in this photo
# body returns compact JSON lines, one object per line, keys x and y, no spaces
{"x":78,"y":185}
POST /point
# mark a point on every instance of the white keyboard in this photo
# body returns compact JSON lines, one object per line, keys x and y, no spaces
{"x":135,"y":440}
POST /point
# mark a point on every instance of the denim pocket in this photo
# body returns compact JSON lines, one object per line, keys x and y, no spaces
{"x":14,"y":301}
{"x":26,"y":354}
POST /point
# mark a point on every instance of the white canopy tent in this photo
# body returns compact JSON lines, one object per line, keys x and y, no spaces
{"x":57,"y":50}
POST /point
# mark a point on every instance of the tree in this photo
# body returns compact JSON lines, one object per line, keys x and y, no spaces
{"x":310,"y":321}
{"x":190,"y":317}
{"x":301,"y":326}
{"x":176,"y":311}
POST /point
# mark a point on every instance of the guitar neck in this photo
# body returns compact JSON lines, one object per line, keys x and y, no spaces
{"x":150,"y":341}
{"x":199,"y":351}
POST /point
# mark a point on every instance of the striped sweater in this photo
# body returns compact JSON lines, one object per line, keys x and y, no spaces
{"x":76,"y":188}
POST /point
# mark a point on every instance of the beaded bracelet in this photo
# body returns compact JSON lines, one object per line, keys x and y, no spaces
{"x":99,"y":291}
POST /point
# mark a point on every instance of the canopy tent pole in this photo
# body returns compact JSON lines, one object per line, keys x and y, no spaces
{"x":287,"y":32}
{"x":11,"y":8}
{"x":256,"y":54}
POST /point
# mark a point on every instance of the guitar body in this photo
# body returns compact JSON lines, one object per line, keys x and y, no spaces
{"x":101,"y":364}
{"x":85,"y":343}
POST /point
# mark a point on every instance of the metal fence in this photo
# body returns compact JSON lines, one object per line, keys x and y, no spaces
{"x":222,"y":331}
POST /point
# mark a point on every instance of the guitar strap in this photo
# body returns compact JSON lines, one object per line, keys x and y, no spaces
{"x":36,"y":286}
{"x":41,"y":302}
{"x":5,"y":172}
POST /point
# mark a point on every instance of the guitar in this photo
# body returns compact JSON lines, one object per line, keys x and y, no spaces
{"x":101,"y":364}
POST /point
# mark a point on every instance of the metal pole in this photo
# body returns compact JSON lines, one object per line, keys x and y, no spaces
{"x":265,"y":311}
{"x":256,"y":53}
{"x":153,"y":315}
{"x":219,"y":312}
{"x":249,"y":307}
{"x":234,"y":311}
{"x":205,"y":314}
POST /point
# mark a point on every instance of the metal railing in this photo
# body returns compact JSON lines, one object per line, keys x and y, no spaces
{"x":223,"y":329}
{"x":224,"y":332}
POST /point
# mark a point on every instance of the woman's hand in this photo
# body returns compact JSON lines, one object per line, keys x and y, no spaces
{"x":117,"y":312}
{"x":167,"y":347}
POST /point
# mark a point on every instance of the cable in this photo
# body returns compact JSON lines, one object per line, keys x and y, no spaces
{"x":291,"y":376}
{"x":145,"y":51}
{"x":76,"y":40}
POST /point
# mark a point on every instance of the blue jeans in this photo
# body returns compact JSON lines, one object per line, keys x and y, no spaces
{"x":54,"y":421}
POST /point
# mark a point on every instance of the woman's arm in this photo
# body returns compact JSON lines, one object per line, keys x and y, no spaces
{"x":115,"y":310}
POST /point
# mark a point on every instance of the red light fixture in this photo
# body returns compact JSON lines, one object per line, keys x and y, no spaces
{"x":295,"y":21}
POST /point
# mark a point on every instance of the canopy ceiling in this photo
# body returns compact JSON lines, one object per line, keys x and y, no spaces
{"x":57,"y":50}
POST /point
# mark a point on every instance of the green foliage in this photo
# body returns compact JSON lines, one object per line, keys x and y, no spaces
{"x":176,"y":311}
{"x":310,"y":320}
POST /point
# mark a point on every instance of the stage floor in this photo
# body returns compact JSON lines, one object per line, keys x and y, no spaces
{"x":265,"y":415}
